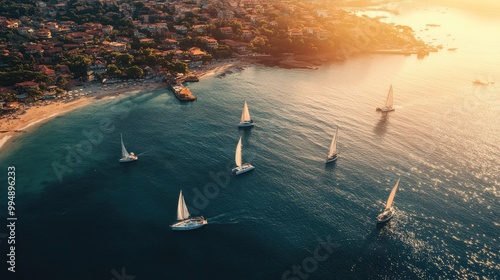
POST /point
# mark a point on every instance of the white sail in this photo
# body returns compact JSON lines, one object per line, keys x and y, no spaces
{"x":333,"y":145}
{"x":389,"y":102}
{"x":245,"y":114}
{"x":392,"y":195}
{"x":124,"y":151}
{"x":237,"y":156}
{"x":182,"y":211}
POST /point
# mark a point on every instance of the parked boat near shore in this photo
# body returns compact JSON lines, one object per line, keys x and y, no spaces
{"x":182,"y":93}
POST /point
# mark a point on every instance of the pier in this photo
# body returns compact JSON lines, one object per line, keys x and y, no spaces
{"x":182,"y":92}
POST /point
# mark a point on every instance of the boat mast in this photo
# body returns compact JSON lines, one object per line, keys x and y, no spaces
{"x":333,"y":145}
{"x":124,"y":151}
{"x":392,"y":195}
{"x":389,"y":102}
{"x":182,"y":211}
{"x":237,"y":156}
{"x":245,"y":113}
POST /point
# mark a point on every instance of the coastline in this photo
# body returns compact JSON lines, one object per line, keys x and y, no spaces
{"x":39,"y":114}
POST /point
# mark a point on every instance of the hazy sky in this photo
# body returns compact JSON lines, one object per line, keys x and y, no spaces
{"x":471,"y":4}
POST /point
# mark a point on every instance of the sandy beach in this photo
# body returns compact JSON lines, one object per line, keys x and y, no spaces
{"x":218,"y":67}
{"x":43,"y":111}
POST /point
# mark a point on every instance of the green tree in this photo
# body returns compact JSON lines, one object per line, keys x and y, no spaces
{"x":78,"y":64}
{"x":13,"y":77}
{"x":206,"y":58}
{"x":259,"y":44}
{"x":16,"y":9}
{"x":61,"y":82}
{"x":134,"y":72}
{"x":176,"y":67}
{"x":222,"y":51}
{"x":112,"y":70}
{"x":124,"y":60}
{"x":8,"y":96}
{"x":152,"y":60}
{"x":34,"y":93}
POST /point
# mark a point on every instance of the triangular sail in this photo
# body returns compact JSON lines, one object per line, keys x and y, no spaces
{"x":124,"y":151}
{"x":392,"y":195}
{"x":245,"y":113}
{"x":182,"y":211}
{"x":389,"y":102}
{"x":333,"y":145}
{"x":237,"y":156}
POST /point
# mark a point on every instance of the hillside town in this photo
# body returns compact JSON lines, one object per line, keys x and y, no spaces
{"x":49,"y":47}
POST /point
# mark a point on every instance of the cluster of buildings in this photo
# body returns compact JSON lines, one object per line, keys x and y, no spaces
{"x":159,"y":24}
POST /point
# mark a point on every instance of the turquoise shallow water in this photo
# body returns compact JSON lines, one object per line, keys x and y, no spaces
{"x":442,"y":140}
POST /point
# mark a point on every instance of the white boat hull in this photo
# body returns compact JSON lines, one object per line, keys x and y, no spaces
{"x":130,"y":158}
{"x":334,"y":158}
{"x":244,"y":168}
{"x":245,"y":124}
{"x":385,"y":216}
{"x":189,"y":224}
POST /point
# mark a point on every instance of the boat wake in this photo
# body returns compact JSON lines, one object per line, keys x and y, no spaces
{"x":232,"y":218}
{"x":222,"y":219}
{"x":143,"y":153}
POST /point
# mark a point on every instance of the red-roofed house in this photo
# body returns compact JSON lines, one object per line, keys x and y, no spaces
{"x":118,"y":47}
{"x":237,"y":46}
{"x":34,"y":48}
{"x":170,"y":44}
{"x":210,"y":42}
{"x":45,"y":70}
{"x":196,"y":53}
{"x":200,"y":28}
{"x":227,"y":30}
{"x":24,"y":86}
{"x":295,"y":32}
{"x":7,"y":90}
{"x":12,"y":105}
{"x":247,"y":34}
{"x":43,"y":34}
{"x":80,"y":37}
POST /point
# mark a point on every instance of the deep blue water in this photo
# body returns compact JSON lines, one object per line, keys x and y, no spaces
{"x":442,"y":141}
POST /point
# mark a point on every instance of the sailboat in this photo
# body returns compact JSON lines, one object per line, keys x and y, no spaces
{"x":245,"y":120}
{"x":388,"y":103}
{"x":185,"y":221}
{"x":240,"y":168}
{"x":332,"y":153}
{"x":126,"y":156}
{"x":389,"y":210}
